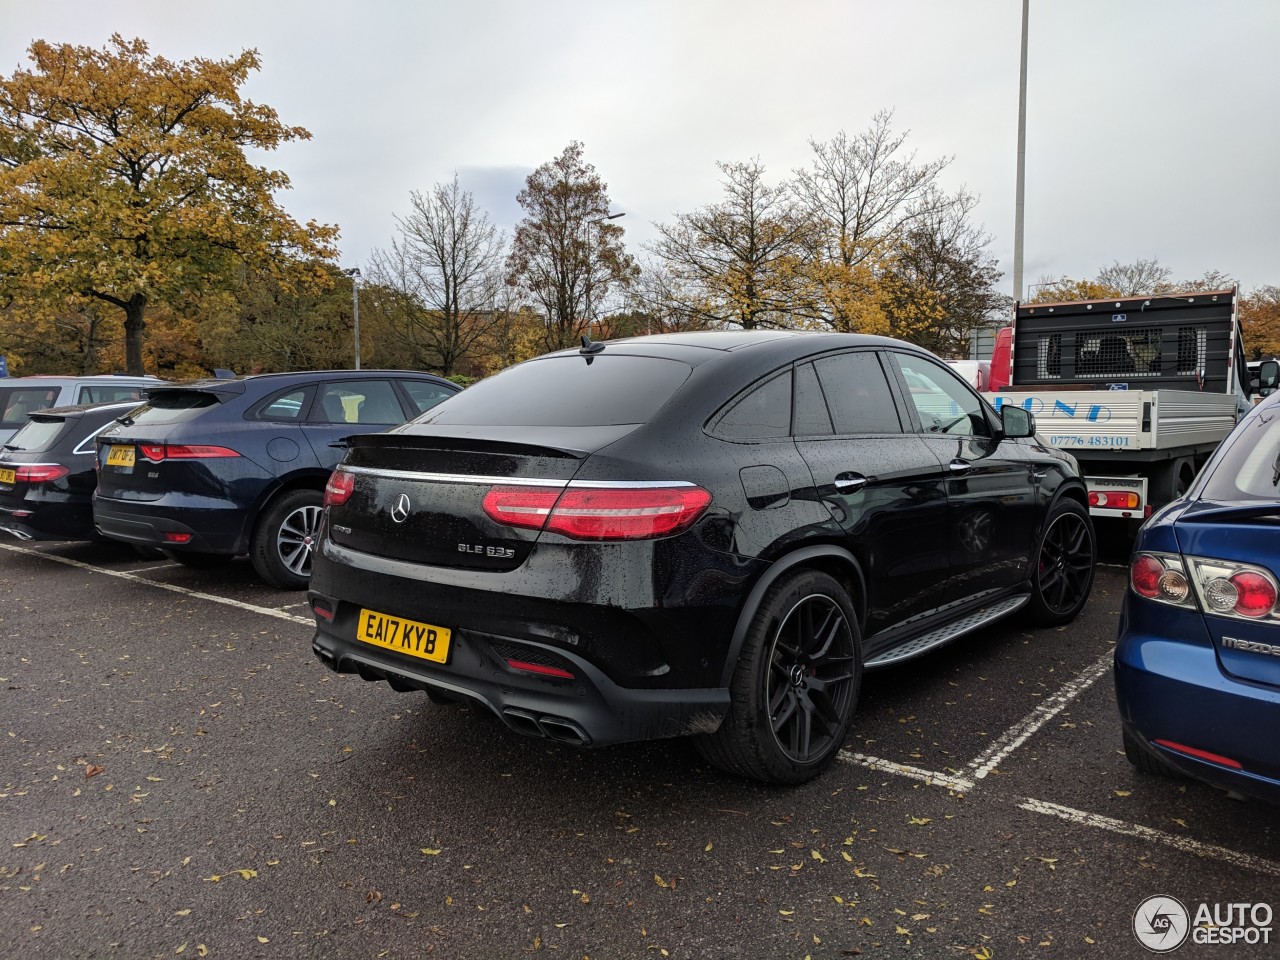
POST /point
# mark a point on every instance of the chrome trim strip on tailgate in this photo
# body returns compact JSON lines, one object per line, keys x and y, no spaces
{"x":512,"y":481}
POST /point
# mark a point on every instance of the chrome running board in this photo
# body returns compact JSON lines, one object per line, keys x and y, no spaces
{"x":946,"y":633}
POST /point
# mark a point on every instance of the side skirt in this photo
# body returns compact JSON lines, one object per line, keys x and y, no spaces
{"x":920,"y":643}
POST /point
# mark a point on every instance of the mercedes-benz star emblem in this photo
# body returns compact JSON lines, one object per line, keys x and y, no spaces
{"x":400,"y":512}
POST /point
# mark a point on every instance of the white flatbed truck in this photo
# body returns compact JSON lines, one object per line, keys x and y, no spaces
{"x":1140,"y":390}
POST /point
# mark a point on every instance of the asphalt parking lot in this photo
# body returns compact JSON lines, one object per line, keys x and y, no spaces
{"x":180,"y":778}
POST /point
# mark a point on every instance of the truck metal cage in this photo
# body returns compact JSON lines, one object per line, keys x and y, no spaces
{"x":1149,"y":342}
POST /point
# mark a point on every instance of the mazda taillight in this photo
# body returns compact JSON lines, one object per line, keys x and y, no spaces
{"x":339,"y":488}
{"x":600,"y":513}
{"x":156,"y":452}
{"x":40,"y":472}
{"x":1162,"y":577}
{"x":1224,"y":587}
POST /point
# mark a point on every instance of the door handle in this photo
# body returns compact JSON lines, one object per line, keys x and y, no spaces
{"x":849,"y":482}
{"x":959,"y":466}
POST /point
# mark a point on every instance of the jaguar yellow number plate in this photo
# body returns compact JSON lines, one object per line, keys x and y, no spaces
{"x":423,"y":640}
{"x":118,"y":456}
{"x":8,"y":476}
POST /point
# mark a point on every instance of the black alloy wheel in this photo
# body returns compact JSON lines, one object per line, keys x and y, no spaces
{"x":795,"y":689}
{"x":1064,"y":565}
{"x":811,"y":681}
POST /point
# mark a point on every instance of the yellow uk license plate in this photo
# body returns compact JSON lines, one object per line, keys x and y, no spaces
{"x":423,"y":640}
{"x":118,"y":456}
{"x":8,"y":476}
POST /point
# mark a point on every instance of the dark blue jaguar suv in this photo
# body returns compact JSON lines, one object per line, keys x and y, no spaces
{"x":221,"y":468}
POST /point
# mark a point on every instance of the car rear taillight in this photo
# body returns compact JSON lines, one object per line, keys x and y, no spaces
{"x":600,"y":513}
{"x":339,"y":488}
{"x":156,"y":452}
{"x":1247,"y":593}
{"x":1224,"y":587}
{"x":1160,"y":576}
{"x":40,"y":472}
{"x":521,"y":506}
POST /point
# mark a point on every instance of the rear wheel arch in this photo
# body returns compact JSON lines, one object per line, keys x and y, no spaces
{"x":273,"y":548}
{"x":835,"y":561}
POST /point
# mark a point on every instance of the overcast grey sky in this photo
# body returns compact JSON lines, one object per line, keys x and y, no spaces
{"x":1152,"y":131}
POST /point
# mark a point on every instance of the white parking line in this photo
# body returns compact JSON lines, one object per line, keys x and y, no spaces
{"x":173,"y":588}
{"x":1022,"y":731}
{"x":1185,"y":844}
{"x":958,"y":784}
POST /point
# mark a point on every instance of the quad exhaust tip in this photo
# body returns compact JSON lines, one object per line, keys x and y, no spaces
{"x":552,"y":728}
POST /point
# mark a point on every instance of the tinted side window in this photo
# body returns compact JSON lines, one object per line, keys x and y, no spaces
{"x":943,"y":402}
{"x":358,"y":401}
{"x":425,"y":395}
{"x":106,"y":394}
{"x":812,"y":416}
{"x":858,"y":394}
{"x":763,"y":413}
{"x":290,"y":405}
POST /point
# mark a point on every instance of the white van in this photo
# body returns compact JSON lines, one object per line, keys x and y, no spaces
{"x":19,"y":396}
{"x":975,"y":372}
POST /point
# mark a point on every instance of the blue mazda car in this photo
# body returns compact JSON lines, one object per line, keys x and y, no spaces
{"x":1197,"y":665}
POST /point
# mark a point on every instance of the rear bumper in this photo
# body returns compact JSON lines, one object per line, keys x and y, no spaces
{"x":49,"y":521}
{"x":1176,"y":691}
{"x":588,"y":710}
{"x":639,"y":668}
{"x":214,"y":526}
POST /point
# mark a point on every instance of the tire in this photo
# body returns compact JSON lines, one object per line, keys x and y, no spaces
{"x":1144,"y":758}
{"x":1172,"y":481}
{"x":1062,"y":573}
{"x":196,"y":559}
{"x":795,"y":688}
{"x":283,"y":537}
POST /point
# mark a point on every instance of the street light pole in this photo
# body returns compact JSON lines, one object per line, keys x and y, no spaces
{"x":590,"y":266}
{"x":1022,"y":161}
{"x":354,"y":274}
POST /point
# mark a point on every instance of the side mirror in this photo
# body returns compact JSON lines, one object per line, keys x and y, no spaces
{"x":1017,"y":422}
{"x":1268,"y":374}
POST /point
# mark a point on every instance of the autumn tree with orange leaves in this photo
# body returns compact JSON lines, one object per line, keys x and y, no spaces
{"x":124,"y":182}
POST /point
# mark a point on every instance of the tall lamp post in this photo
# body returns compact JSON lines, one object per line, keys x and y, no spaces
{"x":591,"y":317}
{"x":354,"y":274}
{"x":1020,"y":188}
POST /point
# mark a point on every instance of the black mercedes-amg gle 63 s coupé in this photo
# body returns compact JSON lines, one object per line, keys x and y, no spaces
{"x":710,"y":534}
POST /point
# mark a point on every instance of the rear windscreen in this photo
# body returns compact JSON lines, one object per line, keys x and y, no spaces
{"x":37,"y":435}
{"x":172,"y":406}
{"x":566,"y":392}
{"x":1250,"y":466}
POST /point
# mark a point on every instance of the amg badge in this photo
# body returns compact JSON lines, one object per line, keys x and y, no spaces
{"x":479,"y":549}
